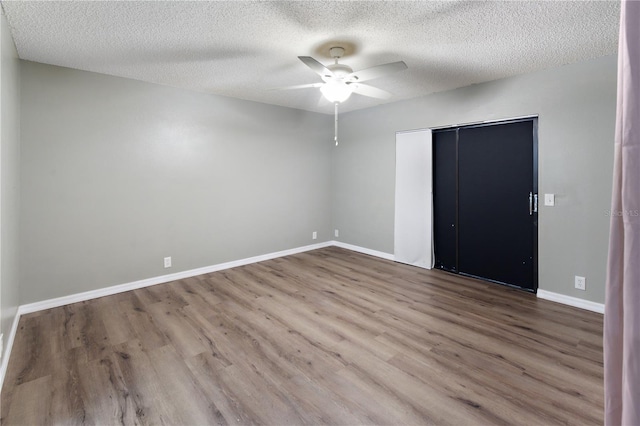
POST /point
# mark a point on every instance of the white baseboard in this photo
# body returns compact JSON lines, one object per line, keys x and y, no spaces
{"x":571,"y":301}
{"x":8,"y":347}
{"x":363,"y":250}
{"x":108,"y":291}
{"x":121,"y":288}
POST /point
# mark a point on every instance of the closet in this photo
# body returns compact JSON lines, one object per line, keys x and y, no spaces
{"x":485,"y":213}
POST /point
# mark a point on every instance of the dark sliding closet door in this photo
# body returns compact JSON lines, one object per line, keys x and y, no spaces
{"x":445,"y":203}
{"x":484,"y":190}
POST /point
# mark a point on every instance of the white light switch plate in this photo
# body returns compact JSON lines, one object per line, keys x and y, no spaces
{"x":549,"y":199}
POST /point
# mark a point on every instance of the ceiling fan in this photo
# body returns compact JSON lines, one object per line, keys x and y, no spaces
{"x":340,"y":81}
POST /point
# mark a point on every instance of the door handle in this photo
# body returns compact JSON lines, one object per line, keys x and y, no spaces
{"x":535,"y":203}
{"x":530,"y":203}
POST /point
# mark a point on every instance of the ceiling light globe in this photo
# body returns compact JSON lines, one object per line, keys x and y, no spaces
{"x":336,"y":91}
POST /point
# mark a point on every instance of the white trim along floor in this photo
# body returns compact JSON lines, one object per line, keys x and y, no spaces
{"x":107,"y":291}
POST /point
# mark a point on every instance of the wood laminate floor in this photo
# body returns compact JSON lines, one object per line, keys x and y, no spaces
{"x":324,"y":337}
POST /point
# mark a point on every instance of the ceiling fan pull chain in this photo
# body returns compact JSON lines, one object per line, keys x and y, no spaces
{"x":336,"y":124}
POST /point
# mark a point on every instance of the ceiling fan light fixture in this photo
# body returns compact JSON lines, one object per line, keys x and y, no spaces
{"x":336,"y":91}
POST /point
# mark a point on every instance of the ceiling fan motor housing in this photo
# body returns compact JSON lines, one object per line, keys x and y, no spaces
{"x":339,"y":70}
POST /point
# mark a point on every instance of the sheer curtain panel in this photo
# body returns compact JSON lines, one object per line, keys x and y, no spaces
{"x":622,"y":304}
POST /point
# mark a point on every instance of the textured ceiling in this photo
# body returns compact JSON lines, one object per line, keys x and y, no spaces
{"x":241,"y":48}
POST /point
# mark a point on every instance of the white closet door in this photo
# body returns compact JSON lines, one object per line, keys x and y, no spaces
{"x":413,"y":239}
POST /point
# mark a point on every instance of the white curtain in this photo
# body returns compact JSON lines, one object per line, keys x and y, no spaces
{"x":622,"y":303}
{"x":413,"y":237}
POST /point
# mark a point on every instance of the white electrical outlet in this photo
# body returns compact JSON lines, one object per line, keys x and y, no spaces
{"x":167,"y":262}
{"x":336,"y":233}
{"x":549,"y":200}
{"x":314,"y":235}
{"x":581,"y":283}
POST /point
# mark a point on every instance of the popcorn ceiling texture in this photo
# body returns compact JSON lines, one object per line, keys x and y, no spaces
{"x":240,"y":48}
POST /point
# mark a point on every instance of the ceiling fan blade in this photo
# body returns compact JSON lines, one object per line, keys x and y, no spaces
{"x":375,"y":72}
{"x":316,"y":66}
{"x":370,"y":91}
{"x":299,"y":86}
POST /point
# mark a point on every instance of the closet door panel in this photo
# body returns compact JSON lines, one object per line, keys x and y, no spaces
{"x":413,"y":239}
{"x":444,"y":199}
{"x":495,"y":226}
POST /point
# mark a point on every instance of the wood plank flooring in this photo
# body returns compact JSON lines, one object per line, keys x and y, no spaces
{"x":323,"y":337}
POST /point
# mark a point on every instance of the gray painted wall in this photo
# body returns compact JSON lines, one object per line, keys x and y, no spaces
{"x":9,"y":177}
{"x":117,"y":174}
{"x":576,"y":108}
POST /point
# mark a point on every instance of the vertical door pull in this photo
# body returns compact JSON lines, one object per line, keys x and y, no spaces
{"x":530,"y":203}
{"x":535,"y":203}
